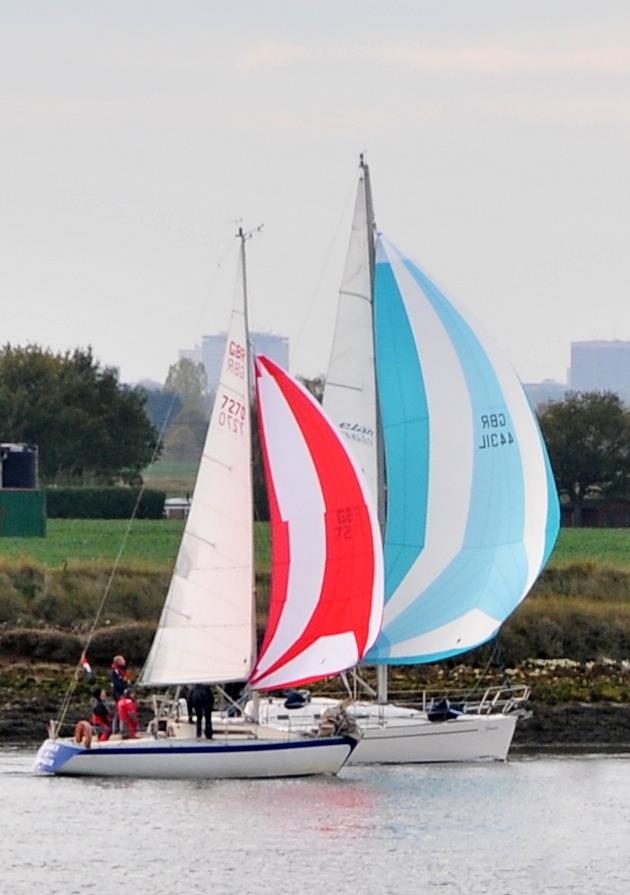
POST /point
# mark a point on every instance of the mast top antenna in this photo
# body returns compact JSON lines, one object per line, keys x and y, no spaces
{"x":247,"y":234}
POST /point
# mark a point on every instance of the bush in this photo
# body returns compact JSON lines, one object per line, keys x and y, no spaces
{"x":103,"y":503}
{"x":131,"y":641}
{"x":12,"y":603}
{"x":585,"y":579}
{"x":137,"y":598}
{"x":68,"y":598}
{"x":48,"y":646}
{"x":565,"y":627}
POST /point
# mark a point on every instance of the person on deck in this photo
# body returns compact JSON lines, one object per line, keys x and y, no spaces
{"x":203,"y":703}
{"x":187,"y":695}
{"x":120,"y":681}
{"x":101,"y":719}
{"x":127,"y":710}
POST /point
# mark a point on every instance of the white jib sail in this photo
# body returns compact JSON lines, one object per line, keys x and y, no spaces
{"x":206,"y":631}
{"x":350,"y":392}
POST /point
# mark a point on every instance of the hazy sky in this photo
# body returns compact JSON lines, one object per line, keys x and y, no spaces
{"x":135,"y":133}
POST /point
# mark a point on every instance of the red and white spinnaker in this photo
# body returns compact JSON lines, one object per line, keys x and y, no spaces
{"x":327,"y":591}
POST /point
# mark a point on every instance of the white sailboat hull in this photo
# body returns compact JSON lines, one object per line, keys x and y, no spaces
{"x":194,"y":759}
{"x":393,"y":734}
{"x":467,"y":738}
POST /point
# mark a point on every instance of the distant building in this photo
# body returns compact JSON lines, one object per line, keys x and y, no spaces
{"x":601,"y":366}
{"x":540,"y":393}
{"x":213,"y":348}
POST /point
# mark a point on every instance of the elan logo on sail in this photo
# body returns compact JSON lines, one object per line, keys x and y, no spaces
{"x":499,"y":435}
{"x":357,"y":432}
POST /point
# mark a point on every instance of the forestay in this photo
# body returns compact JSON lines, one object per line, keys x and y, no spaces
{"x":472,"y":510}
{"x":327,"y":591}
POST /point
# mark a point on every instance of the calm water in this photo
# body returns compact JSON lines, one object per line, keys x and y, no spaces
{"x":537,"y":825}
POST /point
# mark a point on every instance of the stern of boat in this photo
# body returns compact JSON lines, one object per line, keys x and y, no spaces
{"x":53,"y":755}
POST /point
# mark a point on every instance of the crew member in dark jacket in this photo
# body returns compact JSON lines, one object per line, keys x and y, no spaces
{"x":101,"y":719}
{"x":203,"y":703}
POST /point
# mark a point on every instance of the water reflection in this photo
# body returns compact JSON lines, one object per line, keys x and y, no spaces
{"x":529,"y":825}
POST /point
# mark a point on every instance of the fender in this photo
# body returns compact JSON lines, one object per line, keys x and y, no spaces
{"x":83,"y":734}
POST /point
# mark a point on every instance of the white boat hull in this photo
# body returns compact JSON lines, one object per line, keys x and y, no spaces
{"x":195,"y":759}
{"x":467,"y":738}
{"x":393,"y":734}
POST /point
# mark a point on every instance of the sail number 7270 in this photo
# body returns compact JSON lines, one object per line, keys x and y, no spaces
{"x":232,"y":414}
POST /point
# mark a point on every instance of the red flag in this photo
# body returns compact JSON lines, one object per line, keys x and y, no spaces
{"x":85,"y":665}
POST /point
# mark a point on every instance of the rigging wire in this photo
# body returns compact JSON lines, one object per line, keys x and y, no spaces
{"x":65,"y":703}
{"x":108,"y":586}
{"x":495,"y":657}
{"x":311,"y":302}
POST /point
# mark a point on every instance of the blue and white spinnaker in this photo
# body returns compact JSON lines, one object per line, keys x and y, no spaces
{"x":472,"y":509}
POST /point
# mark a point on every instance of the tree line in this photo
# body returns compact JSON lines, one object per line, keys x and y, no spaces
{"x":89,"y":427}
{"x":93,"y":429}
{"x":588,"y":439}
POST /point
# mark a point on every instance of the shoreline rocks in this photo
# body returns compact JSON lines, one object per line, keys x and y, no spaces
{"x":573,"y":707}
{"x":602,"y":726}
{"x":567,"y":727}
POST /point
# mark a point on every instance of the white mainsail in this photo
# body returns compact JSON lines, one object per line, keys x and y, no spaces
{"x":207,"y":628}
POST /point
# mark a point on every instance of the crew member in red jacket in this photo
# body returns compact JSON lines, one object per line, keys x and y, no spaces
{"x":127,"y":709}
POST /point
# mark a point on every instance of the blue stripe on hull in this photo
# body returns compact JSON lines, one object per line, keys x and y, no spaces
{"x":53,"y":756}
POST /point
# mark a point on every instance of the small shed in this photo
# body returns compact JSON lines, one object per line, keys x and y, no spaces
{"x":176,"y":507}
{"x":22,"y":503}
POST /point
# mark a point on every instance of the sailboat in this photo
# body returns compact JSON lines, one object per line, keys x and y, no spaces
{"x":443,"y":432}
{"x":326,"y":535}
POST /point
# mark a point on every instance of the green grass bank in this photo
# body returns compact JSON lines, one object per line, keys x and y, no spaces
{"x":50,"y":590}
{"x":570,"y":640}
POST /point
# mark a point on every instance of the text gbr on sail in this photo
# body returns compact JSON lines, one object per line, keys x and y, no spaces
{"x":500,"y":434}
{"x":236,"y":359}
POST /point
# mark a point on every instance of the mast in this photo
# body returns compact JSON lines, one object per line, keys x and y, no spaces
{"x":381,"y":501}
{"x":243,"y":236}
{"x":371,"y":232}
